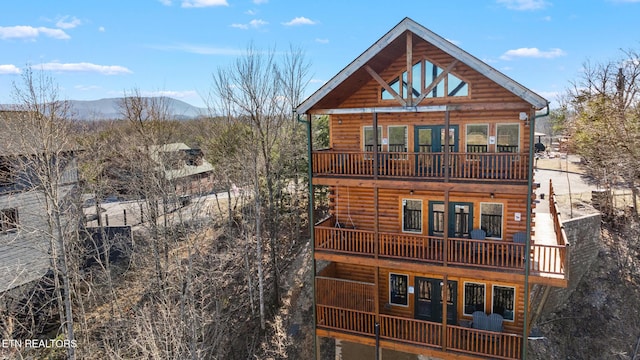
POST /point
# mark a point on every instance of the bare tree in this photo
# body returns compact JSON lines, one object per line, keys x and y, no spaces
{"x":606,"y":103}
{"x":42,"y":133}
{"x":261,"y":93}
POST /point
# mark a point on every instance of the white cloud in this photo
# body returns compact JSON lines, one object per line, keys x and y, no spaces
{"x":532,"y":53}
{"x":301,"y":20}
{"x":67,"y":22}
{"x":30,"y":32}
{"x":255,"y":23}
{"x":9,"y":69}
{"x":54,"y":33}
{"x":171,"y":94}
{"x":87,"y":87}
{"x":165,"y":2}
{"x":84,"y":67}
{"x":258,"y":2}
{"x":322,"y":41}
{"x":524,"y":4}
{"x":454,"y":42}
{"x":251,"y":12}
{"x":203,"y":3}
{"x":549,"y":95}
{"x":200,"y":49}
{"x":547,"y":18}
{"x":101,"y":29}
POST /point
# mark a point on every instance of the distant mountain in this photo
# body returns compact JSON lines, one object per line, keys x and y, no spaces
{"x":110,"y":109}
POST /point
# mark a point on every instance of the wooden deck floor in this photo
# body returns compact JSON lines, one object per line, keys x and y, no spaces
{"x":545,"y":235}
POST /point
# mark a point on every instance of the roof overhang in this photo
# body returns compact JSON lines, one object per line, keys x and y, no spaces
{"x":536,"y":101}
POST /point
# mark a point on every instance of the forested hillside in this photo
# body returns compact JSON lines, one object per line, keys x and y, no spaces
{"x":205,"y":276}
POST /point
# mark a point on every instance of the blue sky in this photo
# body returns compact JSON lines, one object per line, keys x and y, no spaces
{"x":97,"y":48}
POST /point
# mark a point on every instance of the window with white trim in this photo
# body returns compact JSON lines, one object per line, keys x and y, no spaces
{"x":397,"y":138}
{"x":368,"y":138}
{"x":474,"y":297}
{"x":477,"y":138}
{"x":508,"y":138}
{"x":491,"y":219}
{"x":503,"y":301}
{"x":398,"y":289}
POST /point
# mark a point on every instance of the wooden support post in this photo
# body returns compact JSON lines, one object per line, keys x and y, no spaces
{"x":106,"y":219}
{"x":376,"y":239}
{"x":541,"y":304}
{"x":446,"y":147}
{"x":98,"y":213}
{"x":445,"y":235}
{"x":375,"y":146}
{"x":124,"y":216}
{"x":410,"y":69}
{"x":445,"y":293}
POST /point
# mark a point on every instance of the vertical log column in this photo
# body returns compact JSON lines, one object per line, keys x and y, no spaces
{"x":376,"y":233}
{"x":446,"y":230}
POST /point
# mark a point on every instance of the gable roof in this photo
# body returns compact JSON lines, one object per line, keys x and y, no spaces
{"x":441,"y":43}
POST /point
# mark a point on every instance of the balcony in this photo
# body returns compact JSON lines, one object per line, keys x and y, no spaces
{"x":336,"y":310}
{"x":546,"y":259}
{"x":512,"y":167}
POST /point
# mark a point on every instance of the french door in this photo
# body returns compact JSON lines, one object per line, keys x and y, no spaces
{"x":429,"y":296}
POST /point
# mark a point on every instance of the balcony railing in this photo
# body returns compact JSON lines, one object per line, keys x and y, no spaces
{"x":460,"y":166}
{"x":492,"y":254}
{"x":353,"y":321}
{"x":497,"y":345}
{"x":561,"y":236}
{"x":500,"y":345}
{"x":345,"y":294}
{"x":417,"y":332}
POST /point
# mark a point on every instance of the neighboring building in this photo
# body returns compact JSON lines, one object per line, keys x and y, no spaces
{"x":25,"y":246}
{"x":431,"y":247}
{"x":184,"y":167}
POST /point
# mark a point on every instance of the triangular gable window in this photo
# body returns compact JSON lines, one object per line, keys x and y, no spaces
{"x":449,"y":85}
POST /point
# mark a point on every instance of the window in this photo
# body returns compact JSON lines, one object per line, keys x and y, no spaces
{"x":395,"y":86}
{"x":449,"y":85}
{"x":437,"y":219}
{"x":431,"y":72}
{"x":508,"y":137}
{"x":477,"y":138}
{"x":412,"y":216}
{"x":462,"y":221}
{"x":8,"y":220}
{"x":398,"y":138}
{"x":7,"y":173}
{"x":456,"y":86}
{"x":398,"y":289}
{"x":491,"y":219}
{"x":368,"y":138}
{"x":503,"y":301}
{"x":474,"y":295}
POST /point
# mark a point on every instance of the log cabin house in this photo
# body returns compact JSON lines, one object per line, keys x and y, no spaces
{"x":431,"y":246}
{"x":25,"y":240}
